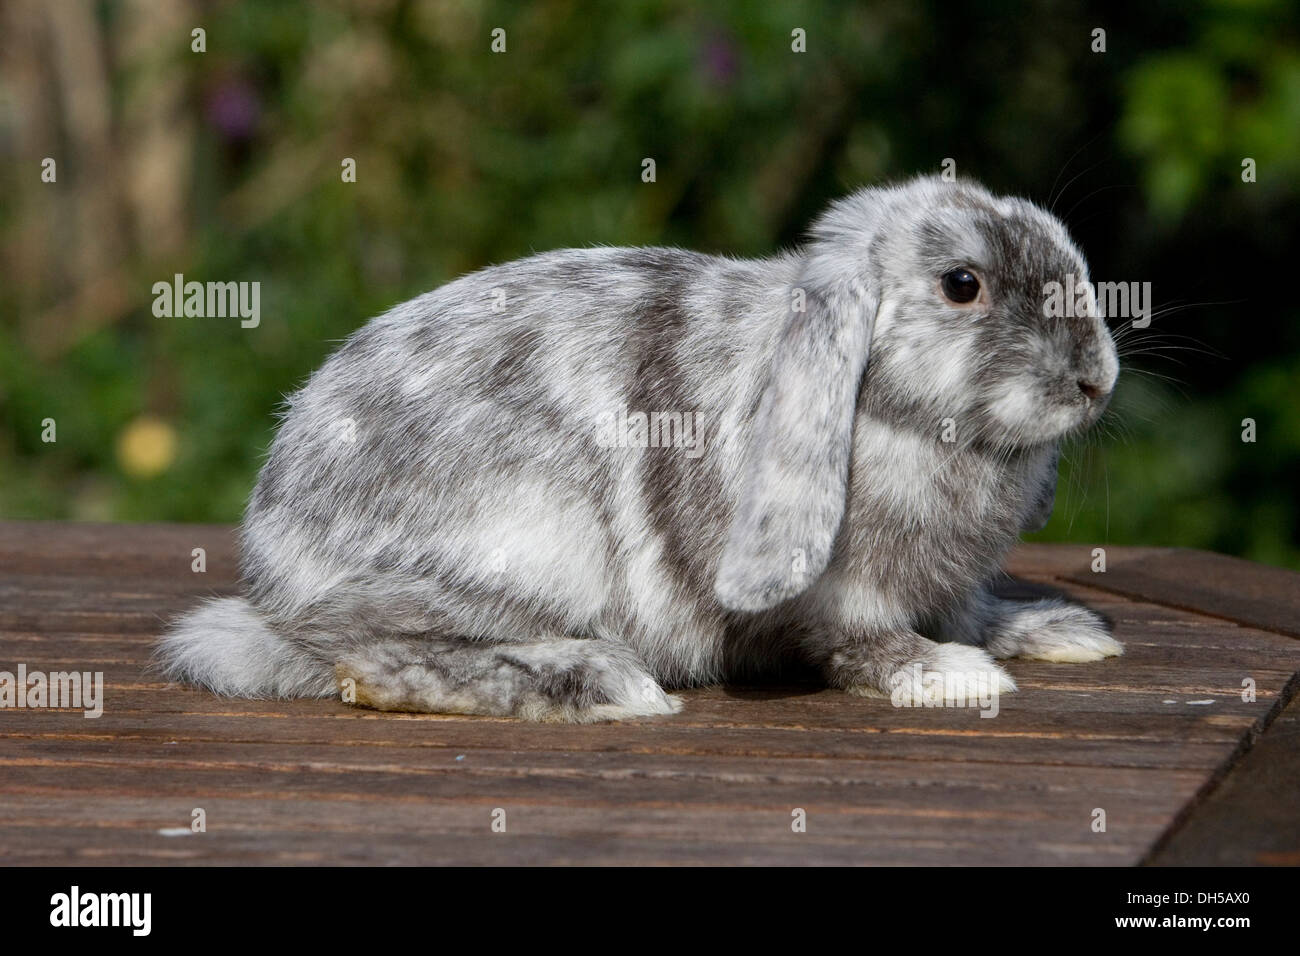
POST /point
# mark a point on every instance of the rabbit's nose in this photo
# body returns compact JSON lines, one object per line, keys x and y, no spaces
{"x":1090,"y":389}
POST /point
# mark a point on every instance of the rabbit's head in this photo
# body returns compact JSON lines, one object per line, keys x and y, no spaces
{"x":947,"y":289}
{"x":968,"y":326}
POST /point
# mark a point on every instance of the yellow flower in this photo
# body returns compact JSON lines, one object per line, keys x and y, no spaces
{"x":146,"y":447}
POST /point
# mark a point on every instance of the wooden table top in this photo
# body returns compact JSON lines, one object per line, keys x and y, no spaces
{"x":1161,"y":740}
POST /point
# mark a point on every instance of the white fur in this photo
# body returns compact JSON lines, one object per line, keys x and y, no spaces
{"x":226,"y":647}
{"x":1052,"y":631}
{"x":967,"y":672}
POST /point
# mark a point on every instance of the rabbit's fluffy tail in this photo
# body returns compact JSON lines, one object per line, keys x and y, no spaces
{"x":225,"y":646}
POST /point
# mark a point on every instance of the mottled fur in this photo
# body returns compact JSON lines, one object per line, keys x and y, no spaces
{"x":437,"y":524}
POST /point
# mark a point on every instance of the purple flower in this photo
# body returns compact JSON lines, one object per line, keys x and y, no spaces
{"x":233,"y":109}
{"x":719,"y":60}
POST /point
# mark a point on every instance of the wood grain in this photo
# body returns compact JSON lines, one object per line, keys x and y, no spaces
{"x":1160,"y":739}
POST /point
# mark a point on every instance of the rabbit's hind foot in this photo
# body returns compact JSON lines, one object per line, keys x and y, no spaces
{"x":565,"y":680}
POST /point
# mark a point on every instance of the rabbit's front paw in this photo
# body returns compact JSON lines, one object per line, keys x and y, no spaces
{"x":941,"y":673}
{"x":1051,"y":631}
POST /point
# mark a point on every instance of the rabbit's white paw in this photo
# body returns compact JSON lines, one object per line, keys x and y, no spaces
{"x":954,"y":673}
{"x":1052,"y":631}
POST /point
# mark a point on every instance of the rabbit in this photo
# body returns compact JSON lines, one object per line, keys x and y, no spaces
{"x":562,"y":487}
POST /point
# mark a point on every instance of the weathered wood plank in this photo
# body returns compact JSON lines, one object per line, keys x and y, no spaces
{"x":876,"y":812}
{"x":1252,"y":816}
{"x":315,"y":781}
{"x":1046,"y":562}
{"x":1242,"y":591}
{"x":582,"y":845}
{"x":1145,"y":740}
{"x":115,"y":551}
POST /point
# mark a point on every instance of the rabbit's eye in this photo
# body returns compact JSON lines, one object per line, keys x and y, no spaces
{"x":960,"y":285}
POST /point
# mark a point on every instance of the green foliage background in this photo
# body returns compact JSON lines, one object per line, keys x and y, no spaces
{"x":466,"y":157}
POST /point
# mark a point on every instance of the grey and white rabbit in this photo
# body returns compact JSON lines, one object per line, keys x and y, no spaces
{"x":464,"y":511}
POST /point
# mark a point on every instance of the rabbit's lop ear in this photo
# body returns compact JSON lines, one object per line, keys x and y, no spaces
{"x":795,"y":470}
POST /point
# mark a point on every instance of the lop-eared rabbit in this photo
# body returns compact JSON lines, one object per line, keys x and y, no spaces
{"x":555,"y":488}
